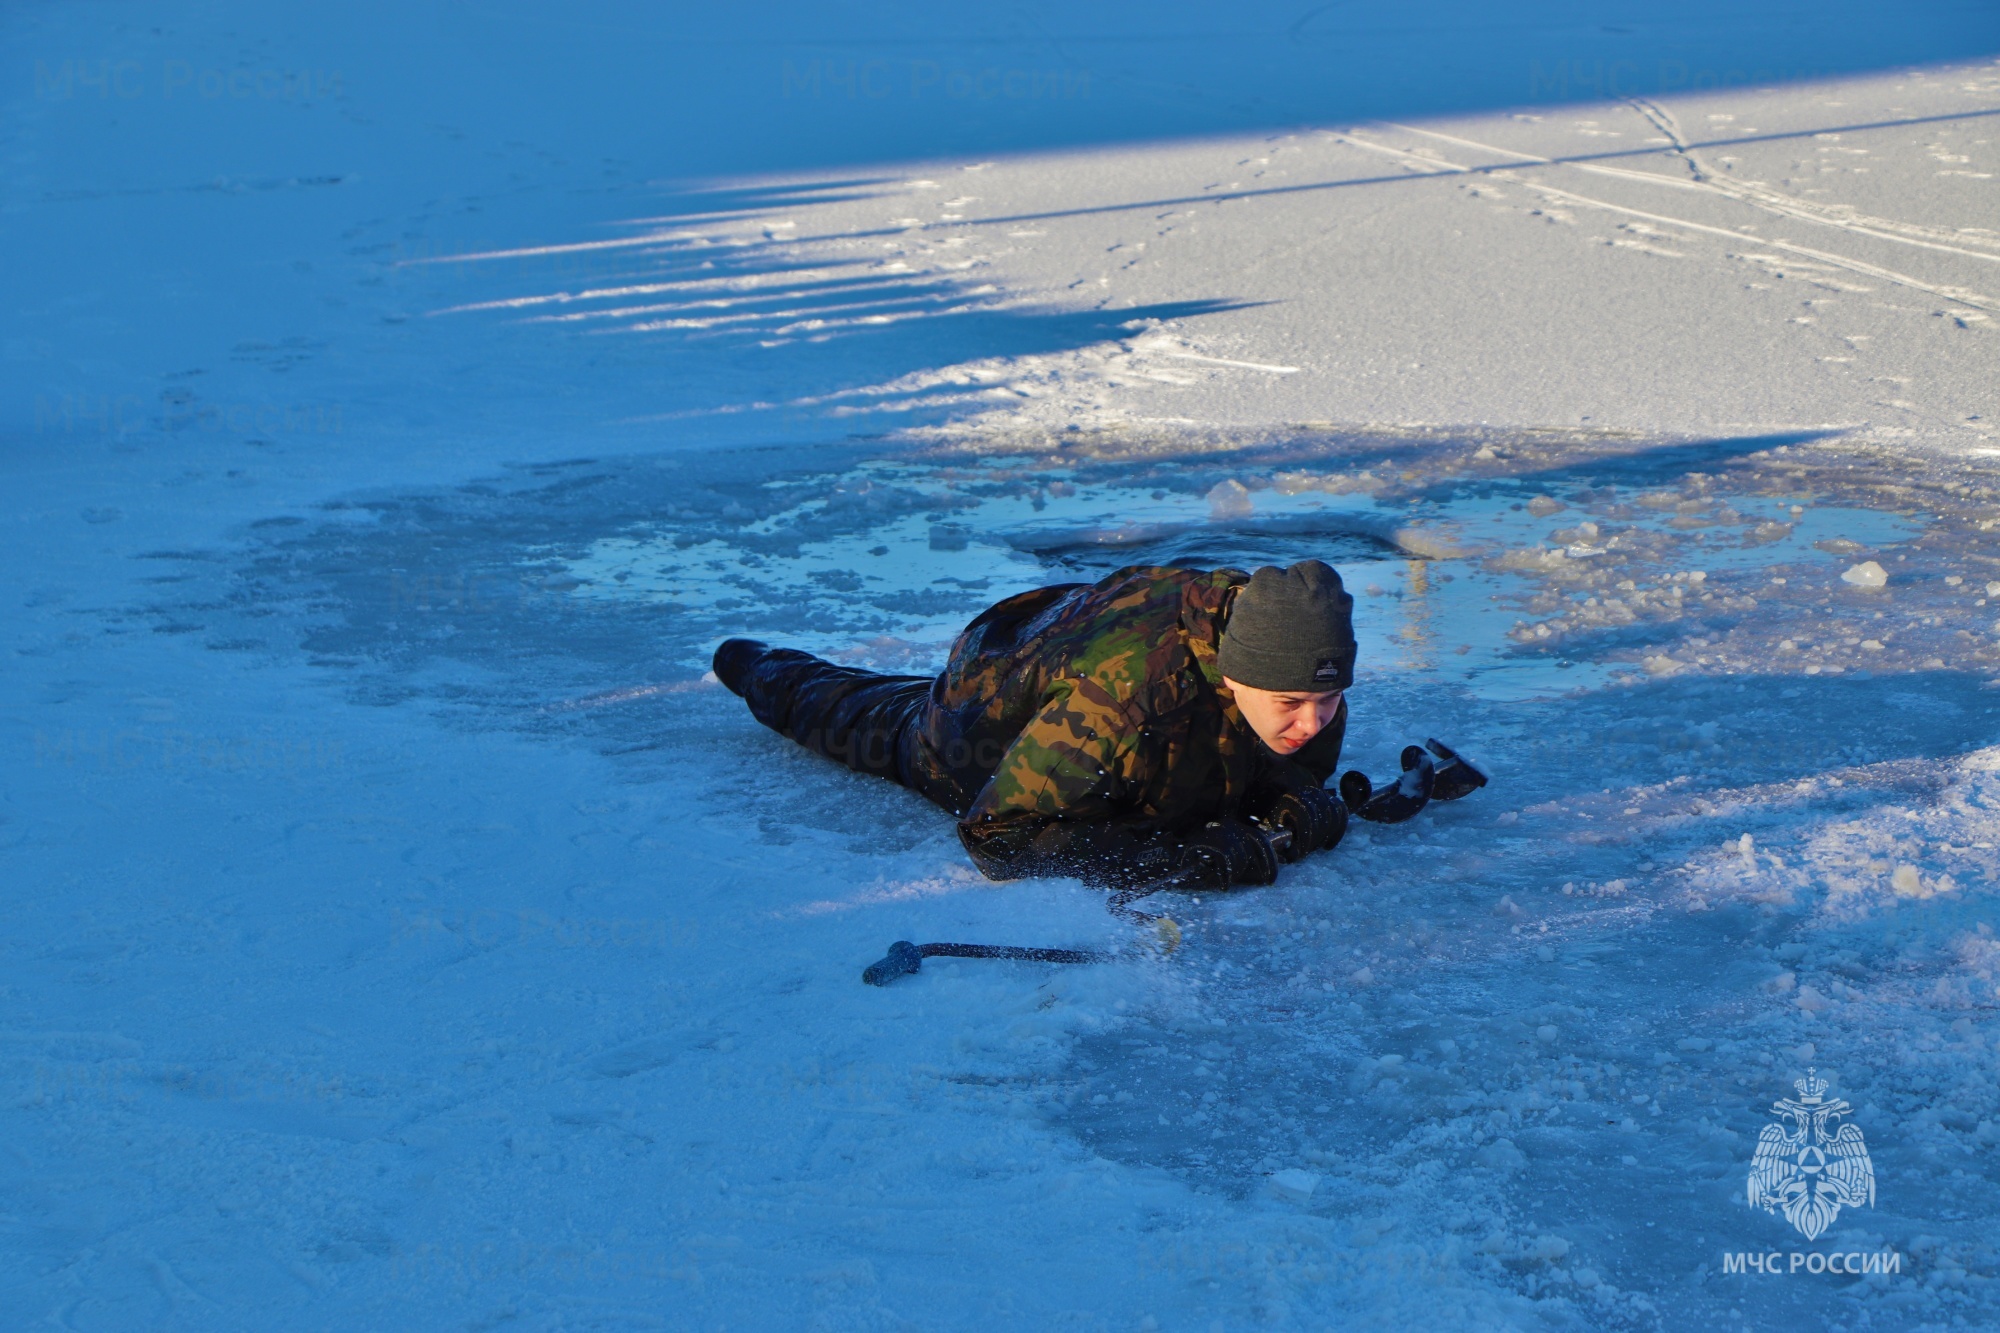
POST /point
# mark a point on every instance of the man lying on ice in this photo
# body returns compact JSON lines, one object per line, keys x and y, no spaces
{"x":1160,"y":722}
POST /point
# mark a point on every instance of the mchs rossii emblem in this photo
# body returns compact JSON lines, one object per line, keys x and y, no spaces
{"x":1811,"y":1169}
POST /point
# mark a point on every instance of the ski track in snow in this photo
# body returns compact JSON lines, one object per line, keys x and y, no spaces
{"x":403,"y":931}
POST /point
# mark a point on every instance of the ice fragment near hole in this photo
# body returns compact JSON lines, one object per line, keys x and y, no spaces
{"x":1229,"y":499}
{"x":1907,"y":882}
{"x":1294,"y":1184}
{"x":1545,"y":1249}
{"x":1430,"y":544}
{"x":1544,"y":505}
{"x":1867,"y":574}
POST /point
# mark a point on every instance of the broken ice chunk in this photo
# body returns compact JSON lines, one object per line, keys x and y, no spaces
{"x":1294,"y":1184}
{"x":1867,"y":574}
{"x":1229,"y":499}
{"x":1430,"y":544}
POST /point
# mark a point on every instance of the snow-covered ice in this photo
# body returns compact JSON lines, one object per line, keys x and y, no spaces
{"x":402,"y":930}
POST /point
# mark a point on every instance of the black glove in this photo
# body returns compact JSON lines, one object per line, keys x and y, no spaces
{"x":1229,"y":854}
{"x":1316,"y":821}
{"x":1396,"y":802}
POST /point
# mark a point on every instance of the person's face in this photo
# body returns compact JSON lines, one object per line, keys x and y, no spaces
{"x":1284,"y":719}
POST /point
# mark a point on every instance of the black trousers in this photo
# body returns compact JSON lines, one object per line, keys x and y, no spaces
{"x":868,"y":721}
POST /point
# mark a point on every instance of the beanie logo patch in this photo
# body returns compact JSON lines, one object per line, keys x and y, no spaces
{"x":1328,"y":669}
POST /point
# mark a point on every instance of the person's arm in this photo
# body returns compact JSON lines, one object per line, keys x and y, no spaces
{"x":1052,"y":808}
{"x":1055,"y":806}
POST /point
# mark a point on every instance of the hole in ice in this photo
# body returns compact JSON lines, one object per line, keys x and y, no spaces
{"x":565,"y":589}
{"x":1514,"y":590}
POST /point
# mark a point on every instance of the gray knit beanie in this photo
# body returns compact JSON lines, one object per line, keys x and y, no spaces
{"x":1291,"y":630}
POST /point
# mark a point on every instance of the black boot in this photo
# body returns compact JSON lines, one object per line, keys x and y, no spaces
{"x":735,"y":660}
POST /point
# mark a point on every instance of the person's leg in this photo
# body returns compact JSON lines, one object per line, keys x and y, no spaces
{"x":860,"y":718}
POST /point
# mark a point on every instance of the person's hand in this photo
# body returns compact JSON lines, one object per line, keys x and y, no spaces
{"x":1395,"y":802}
{"x":1314,"y":818}
{"x":1231,"y":853}
{"x":1456,"y":775}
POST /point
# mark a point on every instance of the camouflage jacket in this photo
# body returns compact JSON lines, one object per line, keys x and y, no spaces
{"x":1081,"y":729}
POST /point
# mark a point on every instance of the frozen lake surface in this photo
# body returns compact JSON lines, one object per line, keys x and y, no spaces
{"x":1741,"y":820}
